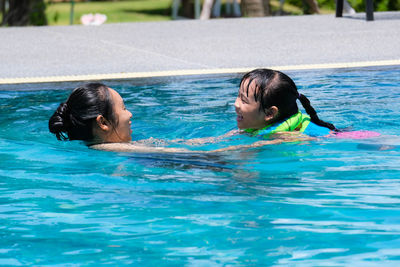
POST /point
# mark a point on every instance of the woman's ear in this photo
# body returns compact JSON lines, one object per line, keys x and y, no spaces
{"x":271,"y":113}
{"x":102,"y":123}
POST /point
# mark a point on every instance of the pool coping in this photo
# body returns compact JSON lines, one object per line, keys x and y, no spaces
{"x":198,"y":72}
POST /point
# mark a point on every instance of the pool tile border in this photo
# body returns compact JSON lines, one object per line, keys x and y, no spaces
{"x":188,"y":72}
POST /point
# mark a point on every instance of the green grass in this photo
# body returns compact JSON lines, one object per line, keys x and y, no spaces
{"x":118,"y":11}
{"x":134,"y":10}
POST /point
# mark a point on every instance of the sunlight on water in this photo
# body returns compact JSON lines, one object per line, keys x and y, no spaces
{"x":323,"y":202}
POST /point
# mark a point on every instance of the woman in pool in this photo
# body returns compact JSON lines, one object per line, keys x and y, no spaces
{"x":96,"y":114}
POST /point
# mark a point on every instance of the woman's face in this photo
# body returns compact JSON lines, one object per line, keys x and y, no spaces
{"x":249,"y":114}
{"x":122,"y":130}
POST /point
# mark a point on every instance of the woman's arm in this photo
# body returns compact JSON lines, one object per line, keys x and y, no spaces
{"x":205,"y":140}
{"x":140,"y":147}
{"x":137,"y":148}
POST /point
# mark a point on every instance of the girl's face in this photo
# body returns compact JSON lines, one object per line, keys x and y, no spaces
{"x":249,"y":114}
{"x":122,"y":131}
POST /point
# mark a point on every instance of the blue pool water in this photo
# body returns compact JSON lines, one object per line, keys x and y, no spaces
{"x":329,"y":202}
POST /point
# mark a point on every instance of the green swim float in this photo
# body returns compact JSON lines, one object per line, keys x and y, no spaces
{"x":297,"y":122}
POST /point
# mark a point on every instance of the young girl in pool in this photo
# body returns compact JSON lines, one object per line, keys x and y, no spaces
{"x":266,"y":107}
{"x":266,"y":104}
{"x":97,"y":115}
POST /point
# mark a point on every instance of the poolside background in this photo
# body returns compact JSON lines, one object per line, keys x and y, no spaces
{"x":146,"y":49}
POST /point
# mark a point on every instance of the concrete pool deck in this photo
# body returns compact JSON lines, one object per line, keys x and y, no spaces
{"x":192,"y":47}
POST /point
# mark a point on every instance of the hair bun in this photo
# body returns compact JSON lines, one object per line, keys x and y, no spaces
{"x":58,"y":123}
{"x":62,"y":109}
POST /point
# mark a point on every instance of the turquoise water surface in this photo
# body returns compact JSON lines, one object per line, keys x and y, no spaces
{"x":327,"y":202}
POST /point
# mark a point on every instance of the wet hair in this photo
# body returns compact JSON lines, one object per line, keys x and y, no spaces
{"x":274,"y":88}
{"x":74,"y":119}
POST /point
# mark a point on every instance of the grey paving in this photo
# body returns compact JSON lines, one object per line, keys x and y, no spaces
{"x":190,"y":44}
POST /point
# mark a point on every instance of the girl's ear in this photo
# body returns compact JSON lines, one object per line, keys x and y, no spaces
{"x":271,"y":113}
{"x":102,"y":123}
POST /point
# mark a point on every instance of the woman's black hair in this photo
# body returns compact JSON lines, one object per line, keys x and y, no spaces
{"x":74,"y":119}
{"x":274,"y":88}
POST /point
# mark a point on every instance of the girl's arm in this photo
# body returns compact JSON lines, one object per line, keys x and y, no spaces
{"x":283,"y":137}
{"x":256,"y":144}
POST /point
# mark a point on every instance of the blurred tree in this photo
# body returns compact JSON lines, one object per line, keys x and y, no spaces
{"x":255,"y":8}
{"x":394,"y":5}
{"x":2,"y":11}
{"x":310,"y":7}
{"x":23,"y":12}
{"x":358,"y":5}
{"x":387,"y":5}
{"x":188,"y":7}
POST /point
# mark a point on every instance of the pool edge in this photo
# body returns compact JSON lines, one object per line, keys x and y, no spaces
{"x":188,"y":72}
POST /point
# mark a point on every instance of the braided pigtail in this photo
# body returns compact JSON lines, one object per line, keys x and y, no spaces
{"x":313,"y":114}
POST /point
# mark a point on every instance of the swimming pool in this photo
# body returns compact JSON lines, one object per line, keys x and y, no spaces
{"x":325,"y":202}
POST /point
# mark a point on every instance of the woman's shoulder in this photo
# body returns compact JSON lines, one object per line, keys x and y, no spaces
{"x":119,"y":147}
